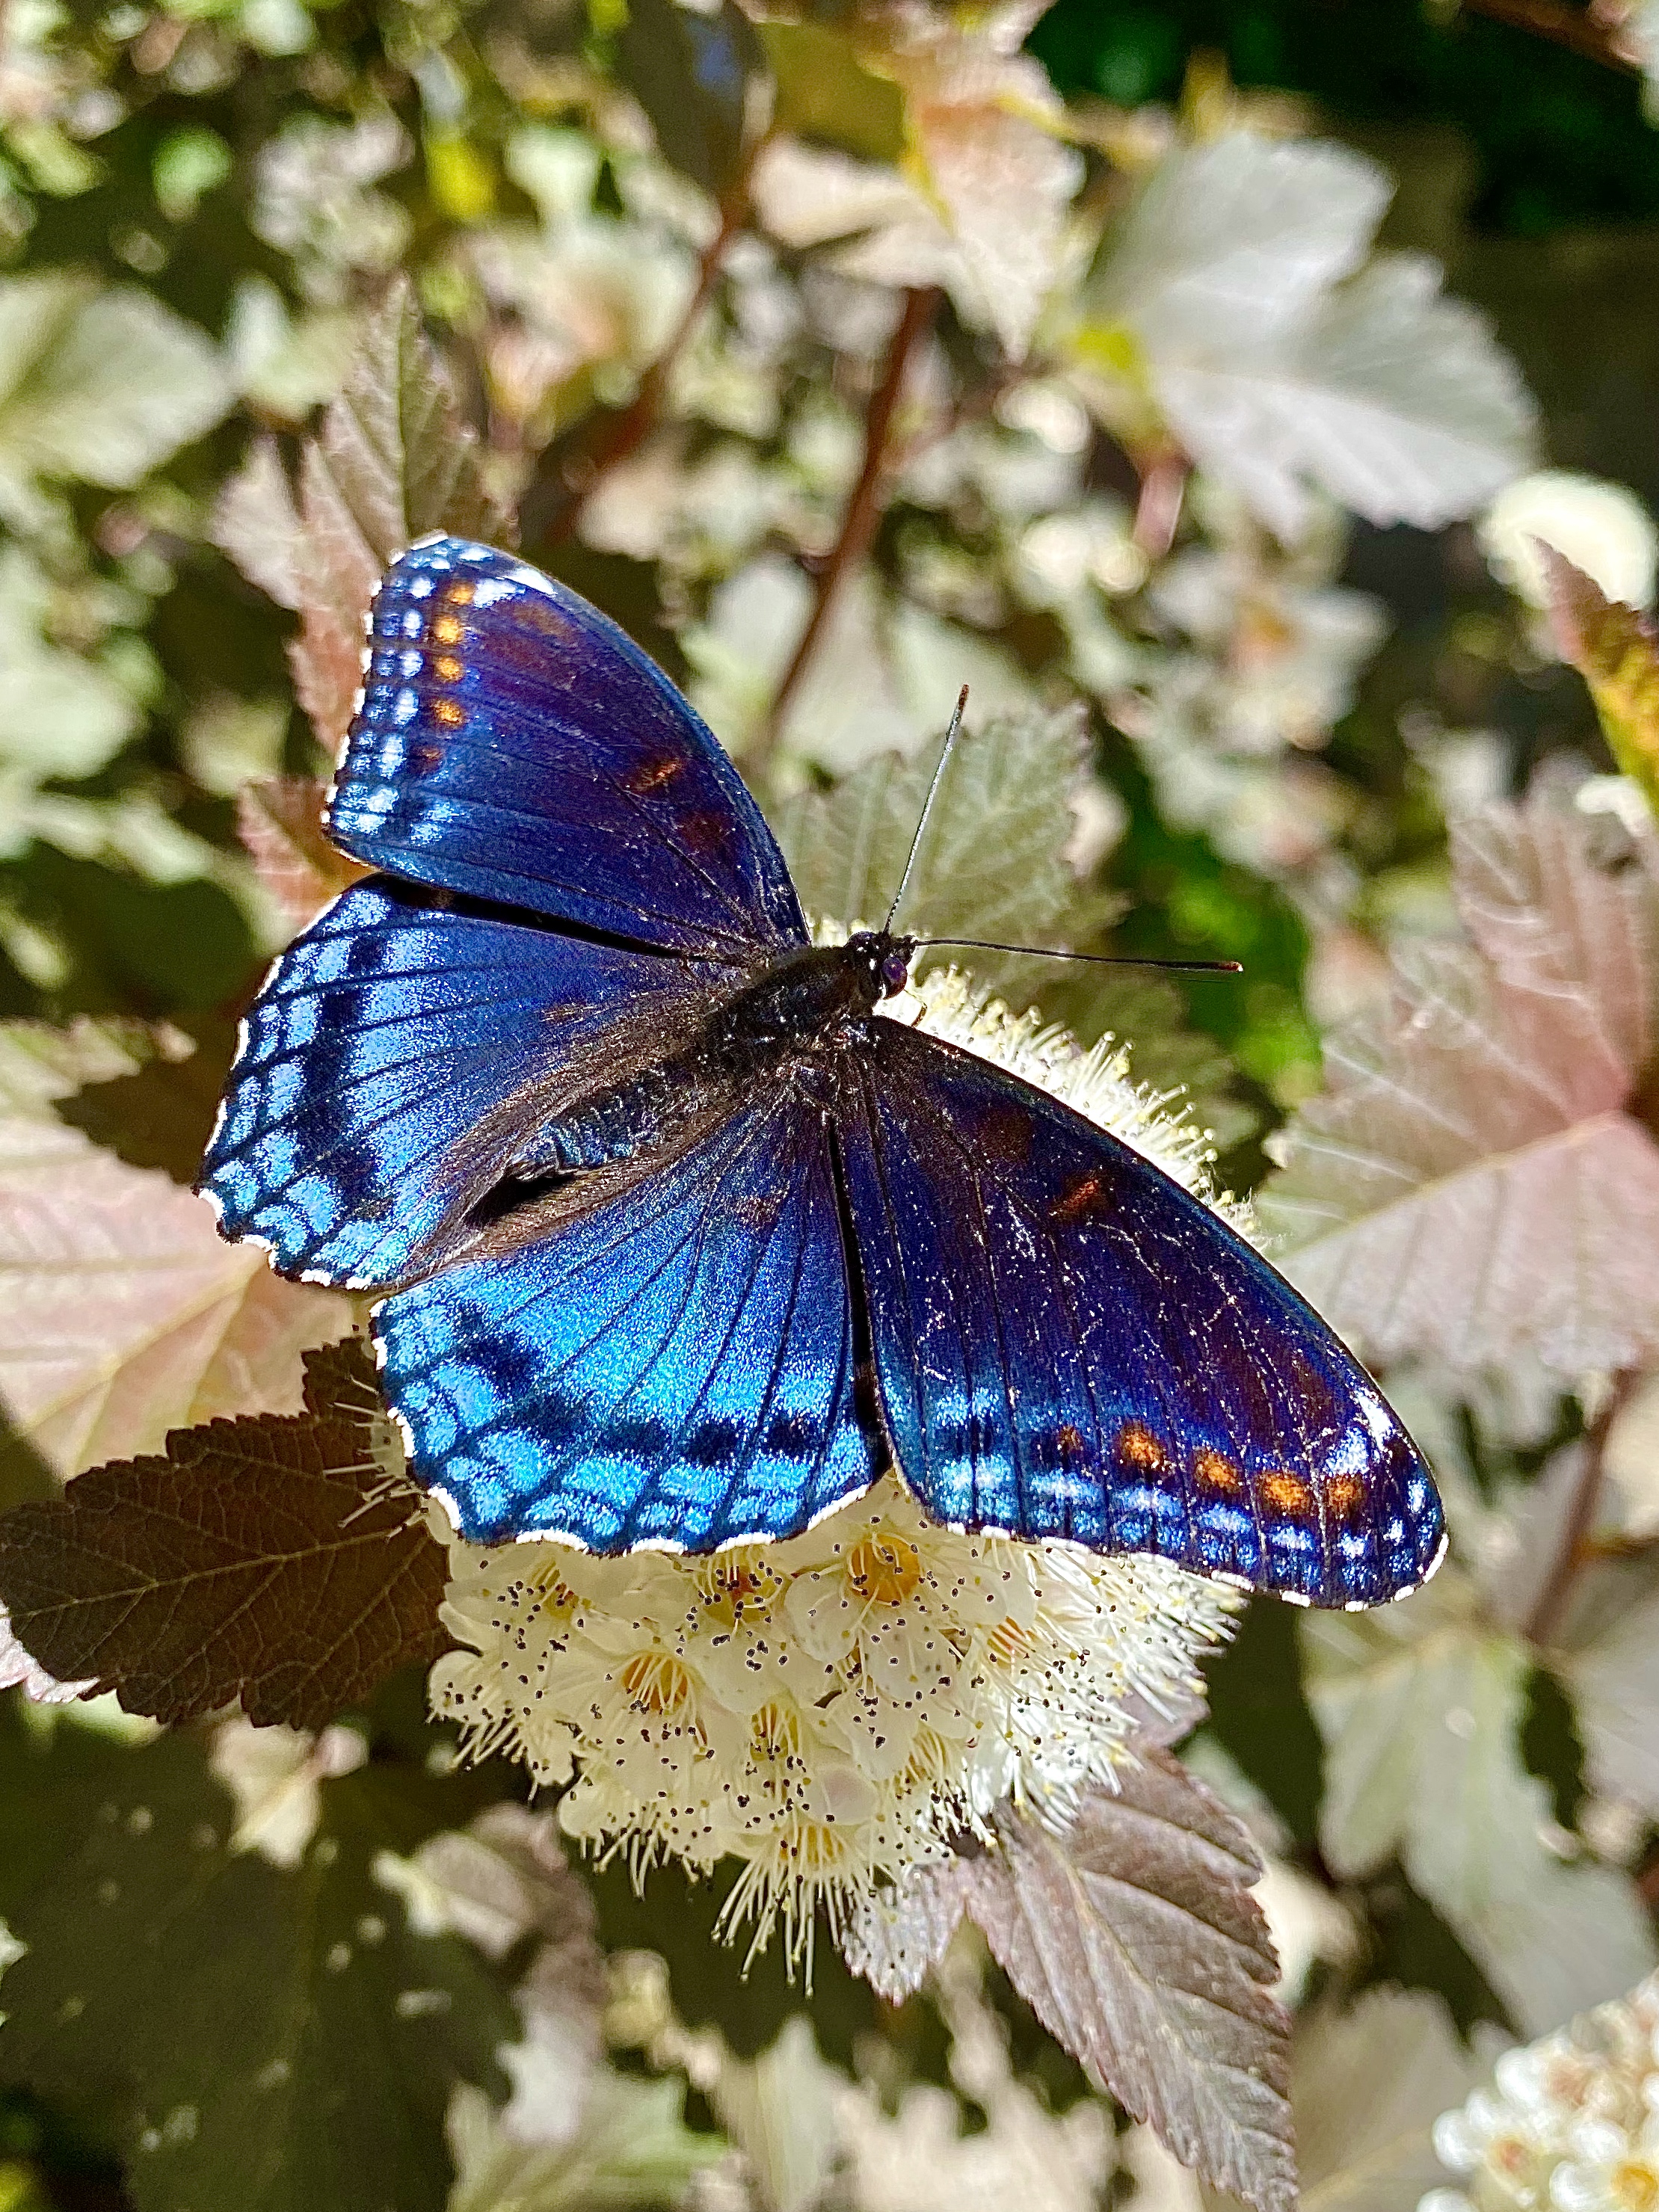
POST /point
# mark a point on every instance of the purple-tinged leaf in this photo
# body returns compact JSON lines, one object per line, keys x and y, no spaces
{"x":1134,"y":1939}
{"x":1472,"y":1184}
{"x":264,"y":1563}
{"x":280,"y":821}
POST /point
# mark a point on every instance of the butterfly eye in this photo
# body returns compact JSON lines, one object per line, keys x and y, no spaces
{"x":895,"y":971}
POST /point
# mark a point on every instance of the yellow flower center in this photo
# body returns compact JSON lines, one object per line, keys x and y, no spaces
{"x":884,"y":1569}
{"x":1635,"y":2185}
{"x":737,"y":1584}
{"x":656,"y":1682}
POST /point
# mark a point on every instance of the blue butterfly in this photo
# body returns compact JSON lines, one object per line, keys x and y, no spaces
{"x":679,"y":1239}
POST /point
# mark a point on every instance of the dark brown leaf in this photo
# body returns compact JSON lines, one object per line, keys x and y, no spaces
{"x":161,"y":1115}
{"x":280,"y":820}
{"x":1136,"y":1942}
{"x":263,"y":1563}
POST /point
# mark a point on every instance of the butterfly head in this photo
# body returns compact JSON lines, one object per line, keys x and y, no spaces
{"x":886,"y":957}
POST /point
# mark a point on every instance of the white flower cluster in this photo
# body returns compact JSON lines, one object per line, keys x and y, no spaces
{"x":1570,"y":2126}
{"x":827,"y":1710}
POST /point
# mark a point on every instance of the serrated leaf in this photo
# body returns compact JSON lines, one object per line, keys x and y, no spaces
{"x":1272,"y":373}
{"x":127,"y":1314}
{"x":898,"y":1936}
{"x":1616,"y":650}
{"x":263,"y":1564}
{"x":846,"y":847}
{"x":161,"y":1114}
{"x":98,"y":384}
{"x":41,"y":1065}
{"x":260,"y":2041}
{"x":392,"y":461}
{"x":1476,"y":1131}
{"x":280,"y":820}
{"x":1419,"y":1708}
{"x":1135,"y":1941}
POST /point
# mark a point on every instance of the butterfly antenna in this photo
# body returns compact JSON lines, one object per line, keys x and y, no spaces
{"x":927,"y":806}
{"x":1093,"y":959}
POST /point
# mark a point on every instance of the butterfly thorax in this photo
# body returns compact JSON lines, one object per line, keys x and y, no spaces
{"x":807,"y":1003}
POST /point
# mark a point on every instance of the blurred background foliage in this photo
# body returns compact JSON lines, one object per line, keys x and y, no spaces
{"x":199,"y":206}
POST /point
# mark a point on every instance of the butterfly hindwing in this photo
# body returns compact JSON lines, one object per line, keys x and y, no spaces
{"x":390,"y":1031}
{"x":1069,"y":1344}
{"x":514,"y":744}
{"x":670,"y":1364}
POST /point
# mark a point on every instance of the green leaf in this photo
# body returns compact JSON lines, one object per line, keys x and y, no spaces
{"x":262,"y":2040}
{"x":41,"y":1065}
{"x":260,"y":1563}
{"x":392,"y":461}
{"x":631,"y":2147}
{"x":846,"y":847}
{"x":61,"y":714}
{"x":690,"y":69}
{"x":100,"y":385}
{"x":825,"y":92}
{"x":1420,"y":1707}
{"x":1616,"y":650}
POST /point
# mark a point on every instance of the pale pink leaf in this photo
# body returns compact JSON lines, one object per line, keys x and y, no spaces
{"x":1134,"y":1939}
{"x":256,"y":523}
{"x":280,"y":820}
{"x":127,"y":1314}
{"x":1471,"y":1183}
{"x":896,"y":1936}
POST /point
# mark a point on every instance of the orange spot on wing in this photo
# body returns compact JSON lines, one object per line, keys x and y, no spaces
{"x":458,"y":594}
{"x":445,"y":631}
{"x":1084,"y":1195}
{"x":652,"y":775}
{"x":1139,"y":1448}
{"x":1216,"y":1472}
{"x":447,"y":668}
{"x":1284,"y":1492}
{"x":1343,"y":1493}
{"x":448,"y":713}
{"x":1073,"y":1449}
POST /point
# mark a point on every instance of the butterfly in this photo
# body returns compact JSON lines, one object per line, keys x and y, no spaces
{"x":678,"y":1237}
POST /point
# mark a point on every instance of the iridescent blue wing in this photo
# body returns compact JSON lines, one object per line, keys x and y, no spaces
{"x":1069,"y":1344}
{"x":514,"y":744}
{"x":390,"y":1031}
{"x":667,"y":1359}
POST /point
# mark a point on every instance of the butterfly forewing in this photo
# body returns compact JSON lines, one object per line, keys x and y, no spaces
{"x":514,"y":744}
{"x":1069,"y":1344}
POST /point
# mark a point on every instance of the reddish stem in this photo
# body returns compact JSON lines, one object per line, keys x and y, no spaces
{"x":863,"y":511}
{"x":1574,"y":1548}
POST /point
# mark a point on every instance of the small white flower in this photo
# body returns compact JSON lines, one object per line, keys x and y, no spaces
{"x":1601,"y":527}
{"x":1570,"y":2123}
{"x":828,"y":1712}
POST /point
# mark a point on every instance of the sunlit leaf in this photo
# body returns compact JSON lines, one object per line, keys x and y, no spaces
{"x":259,"y":1563}
{"x":258,"y":2040}
{"x":98,"y":384}
{"x":1275,"y":375}
{"x":280,"y":820}
{"x":1419,"y":1706}
{"x":41,"y":1065}
{"x":1609,"y":1661}
{"x":846,"y":848}
{"x":127,"y":1314}
{"x":1616,"y":650}
{"x":392,"y":461}
{"x":1470,"y":1183}
{"x":826,"y":92}
{"x":61,"y":714}
{"x":630,"y":2146}
{"x":1135,"y":1941}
